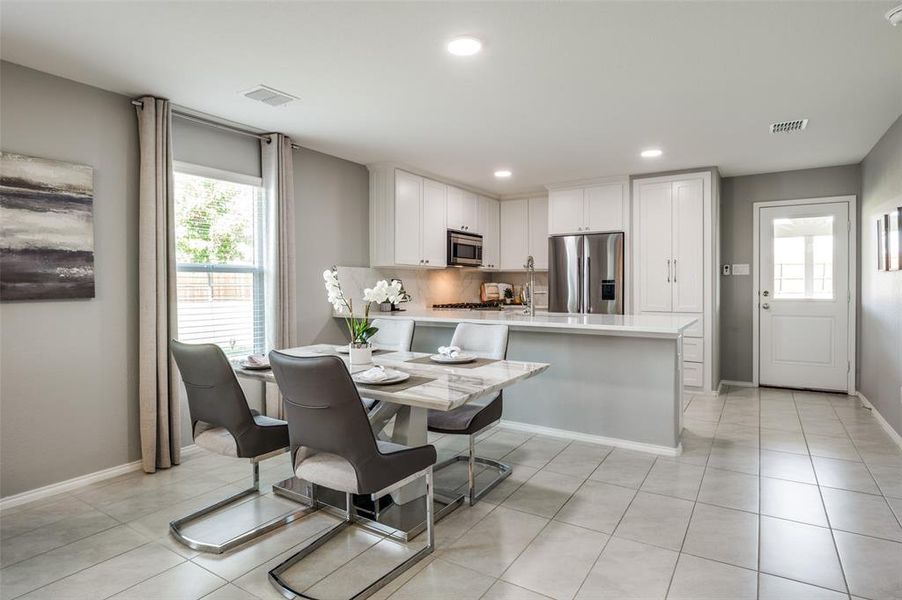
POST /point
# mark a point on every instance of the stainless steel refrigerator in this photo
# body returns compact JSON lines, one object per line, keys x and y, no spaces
{"x":585,"y":273}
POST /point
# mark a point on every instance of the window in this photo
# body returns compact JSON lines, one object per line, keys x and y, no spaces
{"x":803,"y":258}
{"x":219,"y":255}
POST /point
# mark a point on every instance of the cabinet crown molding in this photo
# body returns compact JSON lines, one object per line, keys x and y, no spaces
{"x":581,"y":183}
{"x":378,"y":166}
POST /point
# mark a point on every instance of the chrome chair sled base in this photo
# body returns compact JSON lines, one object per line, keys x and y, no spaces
{"x":474,"y":495}
{"x":177,"y":527}
{"x":276,"y":575}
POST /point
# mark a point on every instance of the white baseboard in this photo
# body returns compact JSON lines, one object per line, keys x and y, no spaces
{"x":592,"y":439}
{"x":76,"y":482}
{"x":883,"y":422}
{"x":724,"y":382}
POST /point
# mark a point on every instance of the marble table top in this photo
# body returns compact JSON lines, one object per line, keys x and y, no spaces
{"x":451,"y":386}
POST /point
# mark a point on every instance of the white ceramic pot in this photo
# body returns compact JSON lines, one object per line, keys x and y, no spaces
{"x":361,"y":354}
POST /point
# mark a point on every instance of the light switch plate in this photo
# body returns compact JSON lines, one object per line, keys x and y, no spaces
{"x":725,"y":270}
{"x":740,"y":269}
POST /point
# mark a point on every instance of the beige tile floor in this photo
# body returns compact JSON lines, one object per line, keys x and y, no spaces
{"x":777,"y":495}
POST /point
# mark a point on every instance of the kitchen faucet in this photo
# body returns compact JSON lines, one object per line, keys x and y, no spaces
{"x":530,"y":267}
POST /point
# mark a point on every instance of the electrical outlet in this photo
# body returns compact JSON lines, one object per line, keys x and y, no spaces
{"x":726,"y":269}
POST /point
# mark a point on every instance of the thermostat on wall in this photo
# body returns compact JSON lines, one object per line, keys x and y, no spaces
{"x":741,"y":269}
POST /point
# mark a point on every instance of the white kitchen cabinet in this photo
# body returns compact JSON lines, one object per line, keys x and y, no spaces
{"x":566,"y":211}
{"x":538,"y":231}
{"x":605,"y":206}
{"x":408,"y":210}
{"x":675,"y":263}
{"x":407,"y":219}
{"x":463,"y":209}
{"x":655,"y":248}
{"x":524,"y":233}
{"x":433,"y":227}
{"x":688,"y":247}
{"x":514,"y":234}
{"x":489,"y":223}
{"x":671,"y":222}
{"x":588,"y":209}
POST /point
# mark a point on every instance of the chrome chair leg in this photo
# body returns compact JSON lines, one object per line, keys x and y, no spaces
{"x":472,"y":460}
{"x":276,"y":575}
{"x":177,"y":527}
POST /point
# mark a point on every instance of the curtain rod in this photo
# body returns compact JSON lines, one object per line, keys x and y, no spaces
{"x":210,"y":123}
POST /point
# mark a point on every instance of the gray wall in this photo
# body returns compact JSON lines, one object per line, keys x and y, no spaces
{"x":880,"y":307}
{"x":736,"y":198}
{"x":68,"y":369}
{"x":332,"y":225}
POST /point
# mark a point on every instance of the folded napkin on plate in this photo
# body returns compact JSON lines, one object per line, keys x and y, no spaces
{"x":373,"y":375}
{"x":257,"y":360}
{"x":449,"y":351}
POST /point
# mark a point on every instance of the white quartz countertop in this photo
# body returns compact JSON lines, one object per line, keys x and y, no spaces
{"x":623,"y":325}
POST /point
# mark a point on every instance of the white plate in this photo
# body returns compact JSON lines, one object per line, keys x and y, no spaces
{"x":398,"y":378}
{"x":342,"y":349}
{"x":457,"y":360}
{"x":254,"y":367}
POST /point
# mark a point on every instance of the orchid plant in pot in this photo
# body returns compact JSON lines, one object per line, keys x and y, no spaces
{"x":360,"y":329}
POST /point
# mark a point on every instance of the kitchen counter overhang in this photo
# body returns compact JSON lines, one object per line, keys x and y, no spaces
{"x":657,"y":326}
{"x":613,"y":379}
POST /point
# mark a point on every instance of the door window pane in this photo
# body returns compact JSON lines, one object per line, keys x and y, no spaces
{"x":803,"y":258}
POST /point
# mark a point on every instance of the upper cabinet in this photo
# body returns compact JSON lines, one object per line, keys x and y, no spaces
{"x":463,"y":210}
{"x":407,"y":219}
{"x":489,"y":222}
{"x":524,"y":233}
{"x":588,"y":209}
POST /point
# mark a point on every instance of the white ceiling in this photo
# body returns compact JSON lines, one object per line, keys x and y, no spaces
{"x":562,"y":91}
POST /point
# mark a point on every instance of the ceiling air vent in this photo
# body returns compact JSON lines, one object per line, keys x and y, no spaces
{"x":268,"y":95}
{"x":789,"y":126}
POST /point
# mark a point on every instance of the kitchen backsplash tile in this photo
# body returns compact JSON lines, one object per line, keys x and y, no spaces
{"x":426,"y":287}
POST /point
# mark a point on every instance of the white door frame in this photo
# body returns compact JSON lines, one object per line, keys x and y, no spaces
{"x":852,"y":201}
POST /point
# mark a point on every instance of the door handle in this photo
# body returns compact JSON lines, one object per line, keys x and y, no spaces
{"x":668,"y":270}
{"x":765,"y":306}
{"x":765,"y":293}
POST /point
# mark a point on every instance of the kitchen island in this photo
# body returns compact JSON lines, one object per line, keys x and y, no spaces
{"x":614,"y":379}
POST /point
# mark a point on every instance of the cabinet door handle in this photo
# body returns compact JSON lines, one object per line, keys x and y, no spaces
{"x":674,"y":271}
{"x":668,"y":270}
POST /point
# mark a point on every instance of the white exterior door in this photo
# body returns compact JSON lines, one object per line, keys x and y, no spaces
{"x":804,"y":299}
{"x":566,"y":211}
{"x":687,"y":268}
{"x":434,"y":231}
{"x":655,"y":262}
{"x":408,"y":207}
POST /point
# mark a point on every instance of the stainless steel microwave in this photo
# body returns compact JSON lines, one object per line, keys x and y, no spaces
{"x":464,"y":249}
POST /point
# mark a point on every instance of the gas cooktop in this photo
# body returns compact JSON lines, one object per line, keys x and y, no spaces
{"x":468,"y":306}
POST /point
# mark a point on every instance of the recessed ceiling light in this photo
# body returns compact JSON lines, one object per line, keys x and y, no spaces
{"x":464,"y":46}
{"x":502,"y":174}
{"x":651,"y":153}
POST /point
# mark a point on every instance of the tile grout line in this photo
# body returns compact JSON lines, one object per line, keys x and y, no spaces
{"x":820,"y":495}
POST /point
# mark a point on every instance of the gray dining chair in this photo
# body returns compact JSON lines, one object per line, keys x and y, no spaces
{"x":224,"y":424}
{"x":333,"y":446}
{"x":471,"y":419}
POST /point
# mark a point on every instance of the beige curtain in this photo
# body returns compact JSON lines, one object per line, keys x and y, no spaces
{"x":280,"y":275}
{"x":157,"y":379}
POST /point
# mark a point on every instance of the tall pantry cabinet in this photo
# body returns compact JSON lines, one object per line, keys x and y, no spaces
{"x":675,"y":263}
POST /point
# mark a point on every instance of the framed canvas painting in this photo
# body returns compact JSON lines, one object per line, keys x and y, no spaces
{"x":46,"y":229}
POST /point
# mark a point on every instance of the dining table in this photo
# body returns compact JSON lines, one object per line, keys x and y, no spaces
{"x":405,"y":405}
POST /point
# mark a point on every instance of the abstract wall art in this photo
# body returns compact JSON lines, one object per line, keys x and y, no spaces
{"x":46,"y":229}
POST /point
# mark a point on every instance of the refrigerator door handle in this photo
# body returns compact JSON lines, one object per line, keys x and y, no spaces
{"x":587,"y":288}
{"x":580,"y":277}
